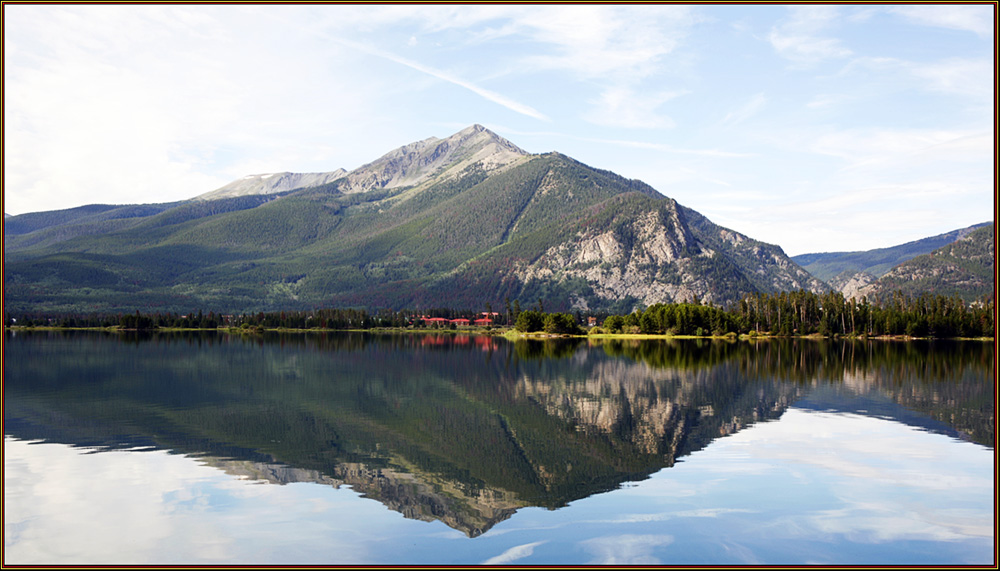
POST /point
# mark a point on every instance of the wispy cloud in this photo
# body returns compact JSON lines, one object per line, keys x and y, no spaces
{"x":800,"y":38}
{"x":826,"y":100}
{"x":150,"y":103}
{"x":665,"y":148}
{"x":979,"y":20}
{"x":745,"y":111}
{"x":624,"y":107}
{"x":445,"y":76}
{"x":974,"y":78}
{"x":866,"y":146}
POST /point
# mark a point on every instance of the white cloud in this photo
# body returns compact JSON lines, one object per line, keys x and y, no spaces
{"x":970,"y":78}
{"x":121,"y":104}
{"x":158,"y":508}
{"x":513,"y":554}
{"x":712,"y":512}
{"x":979,"y":20}
{"x":588,"y":40}
{"x":624,"y":107}
{"x":595,"y":41}
{"x":974,"y":78}
{"x":626,"y":549}
{"x":49,"y":503}
{"x":871,"y":480}
{"x":799,"y":38}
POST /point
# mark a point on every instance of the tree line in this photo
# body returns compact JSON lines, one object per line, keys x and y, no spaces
{"x":784,"y":314}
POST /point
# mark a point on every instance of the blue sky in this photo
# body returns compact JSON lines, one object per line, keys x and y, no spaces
{"x":815,"y":127}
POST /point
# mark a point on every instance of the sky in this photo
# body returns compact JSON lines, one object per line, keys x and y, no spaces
{"x":815,"y":127}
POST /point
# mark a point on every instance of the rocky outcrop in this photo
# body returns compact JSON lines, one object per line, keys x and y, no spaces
{"x":852,"y":284}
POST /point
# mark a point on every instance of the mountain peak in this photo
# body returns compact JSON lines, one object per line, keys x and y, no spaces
{"x":478,"y":135}
{"x":431,"y":158}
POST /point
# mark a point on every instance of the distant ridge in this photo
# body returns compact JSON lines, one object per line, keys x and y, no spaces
{"x":828,"y":265}
{"x":271,"y":183}
{"x":965,"y":268}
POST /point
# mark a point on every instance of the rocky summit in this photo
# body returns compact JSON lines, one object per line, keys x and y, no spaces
{"x":466,"y":221}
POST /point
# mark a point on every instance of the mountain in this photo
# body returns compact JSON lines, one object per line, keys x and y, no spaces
{"x":965,"y":268}
{"x":840,"y":267}
{"x":464,"y":221}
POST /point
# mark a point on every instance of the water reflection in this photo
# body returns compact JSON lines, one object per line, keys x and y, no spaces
{"x":466,"y":430}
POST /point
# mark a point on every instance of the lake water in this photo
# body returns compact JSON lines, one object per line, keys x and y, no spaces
{"x":395,"y":449}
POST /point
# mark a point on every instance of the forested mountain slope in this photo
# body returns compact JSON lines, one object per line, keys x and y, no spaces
{"x":838,"y":268}
{"x":965,"y":268}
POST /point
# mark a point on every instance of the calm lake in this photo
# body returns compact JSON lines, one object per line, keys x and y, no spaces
{"x":418,"y":449}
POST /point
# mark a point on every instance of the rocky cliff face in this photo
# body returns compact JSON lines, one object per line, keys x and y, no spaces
{"x":659,"y":257}
{"x":618,"y":270}
{"x":657,"y":410}
{"x":420,"y":496}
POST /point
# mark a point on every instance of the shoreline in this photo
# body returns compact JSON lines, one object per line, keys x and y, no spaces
{"x":509,"y":333}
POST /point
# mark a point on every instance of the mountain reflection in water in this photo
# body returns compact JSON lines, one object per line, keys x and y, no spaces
{"x":462,"y":429}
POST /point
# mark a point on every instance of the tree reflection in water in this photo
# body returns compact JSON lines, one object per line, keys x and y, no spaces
{"x":465,"y":429}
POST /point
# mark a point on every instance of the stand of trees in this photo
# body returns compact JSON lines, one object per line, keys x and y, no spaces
{"x":558,"y":323}
{"x":785,"y":314}
{"x":807,"y":313}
